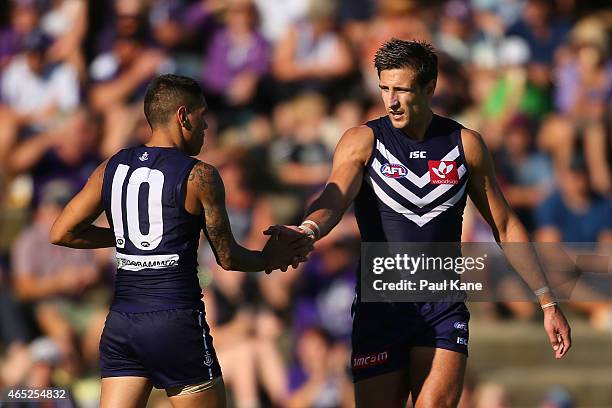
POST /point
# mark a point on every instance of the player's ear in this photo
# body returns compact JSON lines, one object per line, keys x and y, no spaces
{"x":430,"y":88}
{"x":183,"y":117}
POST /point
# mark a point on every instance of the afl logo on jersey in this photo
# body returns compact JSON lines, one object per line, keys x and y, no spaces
{"x":393,"y":170}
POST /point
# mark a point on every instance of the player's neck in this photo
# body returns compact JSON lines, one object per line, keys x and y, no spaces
{"x":163,"y":138}
{"x":417,"y":128}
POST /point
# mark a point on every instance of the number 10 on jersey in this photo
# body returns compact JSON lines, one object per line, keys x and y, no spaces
{"x":155,"y":180}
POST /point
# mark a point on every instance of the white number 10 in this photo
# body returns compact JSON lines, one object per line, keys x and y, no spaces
{"x":155,"y":180}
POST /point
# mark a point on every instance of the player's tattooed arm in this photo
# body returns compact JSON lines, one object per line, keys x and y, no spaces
{"x":74,"y":227}
{"x":207,"y":182}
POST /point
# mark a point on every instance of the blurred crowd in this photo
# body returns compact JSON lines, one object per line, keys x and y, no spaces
{"x":283,"y":80}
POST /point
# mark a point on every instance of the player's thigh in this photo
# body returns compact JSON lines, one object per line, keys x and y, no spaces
{"x":386,"y":390}
{"x":436,"y":377}
{"x":125,"y":392}
{"x":213,"y":397}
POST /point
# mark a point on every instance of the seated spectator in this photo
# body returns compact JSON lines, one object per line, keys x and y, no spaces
{"x":575,"y":214}
{"x":319,"y":377}
{"x":303,"y":162}
{"x":120,"y":78}
{"x":66,"y":22}
{"x":312,"y":56}
{"x":278,"y":16}
{"x":235,"y":62}
{"x":584,"y":86}
{"x":59,"y":282}
{"x":65,"y":153}
{"x":525,"y":175}
{"x":24,"y":18}
{"x":119,"y":18}
{"x":245,"y":339}
{"x":35,"y":92}
{"x":326,"y":287}
{"x":456,"y":35}
{"x":541,"y":29}
{"x":516,"y":91}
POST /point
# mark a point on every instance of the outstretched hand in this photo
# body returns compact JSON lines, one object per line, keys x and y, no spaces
{"x":288,"y":245}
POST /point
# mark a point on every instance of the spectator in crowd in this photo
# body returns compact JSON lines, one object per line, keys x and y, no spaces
{"x":120,"y":78}
{"x":526,"y":175}
{"x":543,"y":31}
{"x":24,"y":18}
{"x":244,"y":339}
{"x":574,"y":213}
{"x":312,"y":55}
{"x":235,"y":63}
{"x":277,"y":16}
{"x":121,"y":18}
{"x":57,"y":281}
{"x":65,"y":153}
{"x":306,"y":160}
{"x":515,"y":91}
{"x":456,"y":36}
{"x":319,"y":378}
{"x":35,"y":92}
{"x":582,"y":98}
{"x":326,"y":288}
{"x":66,"y":22}
{"x":167,"y":20}
{"x":492,"y":395}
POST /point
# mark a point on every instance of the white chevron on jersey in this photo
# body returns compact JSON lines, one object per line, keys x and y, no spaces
{"x":423,"y":180}
{"x":409,"y":195}
{"x":420,"y":220}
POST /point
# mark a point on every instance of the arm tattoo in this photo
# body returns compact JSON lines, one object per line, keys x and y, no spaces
{"x":218,"y":229}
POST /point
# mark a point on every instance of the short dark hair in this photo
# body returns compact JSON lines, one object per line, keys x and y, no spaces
{"x":416,"y":55}
{"x":166,"y":93}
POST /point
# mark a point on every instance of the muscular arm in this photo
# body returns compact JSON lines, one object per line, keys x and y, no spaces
{"x":350,"y":158}
{"x":492,"y":205}
{"x":506,"y":227}
{"x":73,"y":228}
{"x":206,"y":184}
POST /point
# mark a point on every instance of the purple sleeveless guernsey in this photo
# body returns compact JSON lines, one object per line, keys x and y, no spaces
{"x":156,"y":238}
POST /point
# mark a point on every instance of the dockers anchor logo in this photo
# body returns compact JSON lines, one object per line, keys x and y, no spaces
{"x":208,"y":359}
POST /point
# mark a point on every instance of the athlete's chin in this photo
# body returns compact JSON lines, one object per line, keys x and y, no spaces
{"x":398,"y":122}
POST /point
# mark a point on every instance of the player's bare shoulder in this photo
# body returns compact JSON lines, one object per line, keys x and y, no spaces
{"x":356,"y":144}
{"x":204,"y":185}
{"x":474,"y":147}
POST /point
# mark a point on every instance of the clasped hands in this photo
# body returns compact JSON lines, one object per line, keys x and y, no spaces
{"x":287,"y":246}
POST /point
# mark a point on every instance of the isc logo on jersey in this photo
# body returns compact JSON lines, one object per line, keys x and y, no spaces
{"x":393,"y":170}
{"x":443,"y":172}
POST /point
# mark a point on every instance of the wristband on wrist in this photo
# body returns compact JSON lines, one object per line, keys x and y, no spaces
{"x":546,"y":305}
{"x":311,"y":228}
{"x":309,"y":231}
{"x":541,"y":291}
